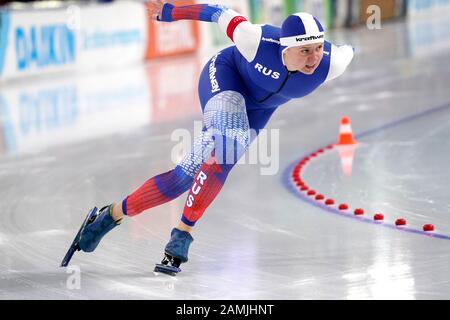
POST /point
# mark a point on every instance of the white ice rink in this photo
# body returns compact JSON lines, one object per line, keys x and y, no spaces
{"x":70,"y":142}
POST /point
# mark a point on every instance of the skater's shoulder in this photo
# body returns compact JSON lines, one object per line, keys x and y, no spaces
{"x":270,"y":34}
{"x":270,"y":39}
{"x":341,"y":55}
{"x":340,"y":58}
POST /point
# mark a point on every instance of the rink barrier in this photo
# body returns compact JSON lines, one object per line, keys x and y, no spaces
{"x":117,"y":33}
{"x":293,"y":181}
{"x":72,"y":37}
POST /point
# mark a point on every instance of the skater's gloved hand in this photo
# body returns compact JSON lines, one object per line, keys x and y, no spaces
{"x":154,"y":8}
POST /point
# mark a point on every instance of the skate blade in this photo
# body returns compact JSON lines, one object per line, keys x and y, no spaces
{"x":74,"y":246}
{"x":162,"y":268}
{"x":69,"y":254}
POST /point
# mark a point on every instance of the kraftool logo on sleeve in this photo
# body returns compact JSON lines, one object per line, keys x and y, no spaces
{"x":44,"y":46}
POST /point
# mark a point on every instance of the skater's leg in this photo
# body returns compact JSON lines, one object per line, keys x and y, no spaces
{"x":155,"y":191}
{"x":207,"y":184}
{"x":227,"y":117}
{"x":257,"y":120}
{"x":238,"y":127}
{"x":169,"y":185}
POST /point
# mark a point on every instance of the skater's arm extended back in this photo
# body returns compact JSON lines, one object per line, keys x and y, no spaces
{"x":245,"y":35}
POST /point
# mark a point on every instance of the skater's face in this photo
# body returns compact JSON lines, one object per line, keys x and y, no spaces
{"x":305,"y":59}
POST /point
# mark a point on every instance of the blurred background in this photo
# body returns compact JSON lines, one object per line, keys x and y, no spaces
{"x":114,"y":45}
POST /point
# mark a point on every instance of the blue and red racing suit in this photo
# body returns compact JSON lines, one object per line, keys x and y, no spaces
{"x":239,"y":88}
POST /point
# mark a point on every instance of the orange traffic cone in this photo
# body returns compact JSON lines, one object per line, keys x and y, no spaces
{"x":346,"y":146}
{"x":345,"y":132}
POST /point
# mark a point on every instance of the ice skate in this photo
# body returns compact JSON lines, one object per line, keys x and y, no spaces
{"x":94,"y":227}
{"x":176,"y":252}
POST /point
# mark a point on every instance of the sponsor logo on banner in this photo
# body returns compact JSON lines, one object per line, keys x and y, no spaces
{"x":34,"y":42}
{"x":100,"y":39}
{"x":175,"y":38}
{"x":43,"y":46}
{"x":4,"y":29}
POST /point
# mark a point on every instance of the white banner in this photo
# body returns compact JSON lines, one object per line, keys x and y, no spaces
{"x":428,"y":8}
{"x":42,"y":41}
